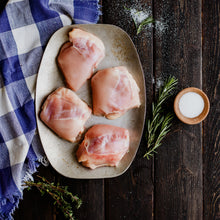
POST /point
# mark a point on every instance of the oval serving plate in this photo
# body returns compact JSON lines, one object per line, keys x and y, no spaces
{"x":119,"y":51}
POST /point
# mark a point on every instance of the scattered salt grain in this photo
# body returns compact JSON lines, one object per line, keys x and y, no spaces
{"x":191,"y":105}
{"x":139,"y":16}
{"x":160,"y":27}
{"x":159,"y":83}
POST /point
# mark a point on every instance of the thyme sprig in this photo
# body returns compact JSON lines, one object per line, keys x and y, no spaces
{"x":63,"y":199}
{"x":159,"y":124}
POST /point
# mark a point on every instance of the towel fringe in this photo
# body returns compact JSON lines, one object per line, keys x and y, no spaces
{"x":14,"y":199}
{"x":44,"y":161}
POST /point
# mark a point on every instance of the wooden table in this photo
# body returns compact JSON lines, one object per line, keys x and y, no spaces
{"x":182,"y":181}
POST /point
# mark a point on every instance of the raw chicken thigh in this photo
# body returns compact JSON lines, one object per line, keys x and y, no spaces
{"x":103,"y":145}
{"x":114,"y":91}
{"x":65,"y":113}
{"x":79,"y":57}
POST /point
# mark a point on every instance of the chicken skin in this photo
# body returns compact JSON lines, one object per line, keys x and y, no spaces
{"x":103,"y":145}
{"x":65,"y":113}
{"x":79,"y":57}
{"x":114,"y":91}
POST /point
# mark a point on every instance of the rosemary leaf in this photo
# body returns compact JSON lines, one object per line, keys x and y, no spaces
{"x":136,"y":17}
{"x":145,"y":22}
{"x":158,"y":126}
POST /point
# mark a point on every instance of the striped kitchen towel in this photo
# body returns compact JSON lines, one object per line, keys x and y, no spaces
{"x":25,"y":28}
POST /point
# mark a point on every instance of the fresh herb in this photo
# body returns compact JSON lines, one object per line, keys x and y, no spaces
{"x":140,"y":19}
{"x":159,"y":125}
{"x":62,"y":197}
{"x":145,"y":22}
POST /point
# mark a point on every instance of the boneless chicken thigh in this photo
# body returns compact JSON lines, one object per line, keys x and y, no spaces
{"x":114,"y":91}
{"x":65,"y":113}
{"x":79,"y":57}
{"x":103,"y":145}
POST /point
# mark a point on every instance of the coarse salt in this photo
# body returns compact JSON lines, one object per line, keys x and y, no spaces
{"x":191,"y":104}
{"x":138,"y":16}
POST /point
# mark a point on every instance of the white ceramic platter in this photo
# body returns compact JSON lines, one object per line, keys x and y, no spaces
{"x":119,"y":51}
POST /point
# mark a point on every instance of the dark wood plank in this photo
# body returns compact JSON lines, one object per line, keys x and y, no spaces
{"x":211,"y":126}
{"x":90,"y":191}
{"x":34,"y":206}
{"x":130,"y":196}
{"x":92,"y":194}
{"x":178,"y":164}
{"x":2,"y":5}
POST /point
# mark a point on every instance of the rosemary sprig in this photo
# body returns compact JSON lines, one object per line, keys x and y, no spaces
{"x":145,"y":22}
{"x":159,"y":125}
{"x":62,"y":197}
{"x":136,"y":19}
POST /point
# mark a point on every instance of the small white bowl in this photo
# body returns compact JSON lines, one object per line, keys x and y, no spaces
{"x":198,"y":118}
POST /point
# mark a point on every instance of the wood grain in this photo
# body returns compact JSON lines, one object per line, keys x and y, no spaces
{"x":182,"y":181}
{"x":211,"y":126}
{"x":92,"y":194}
{"x":130,"y":196}
{"x":34,"y":206}
{"x":178,"y":164}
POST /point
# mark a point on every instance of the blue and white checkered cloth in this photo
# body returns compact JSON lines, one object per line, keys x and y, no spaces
{"x":25,"y":28}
